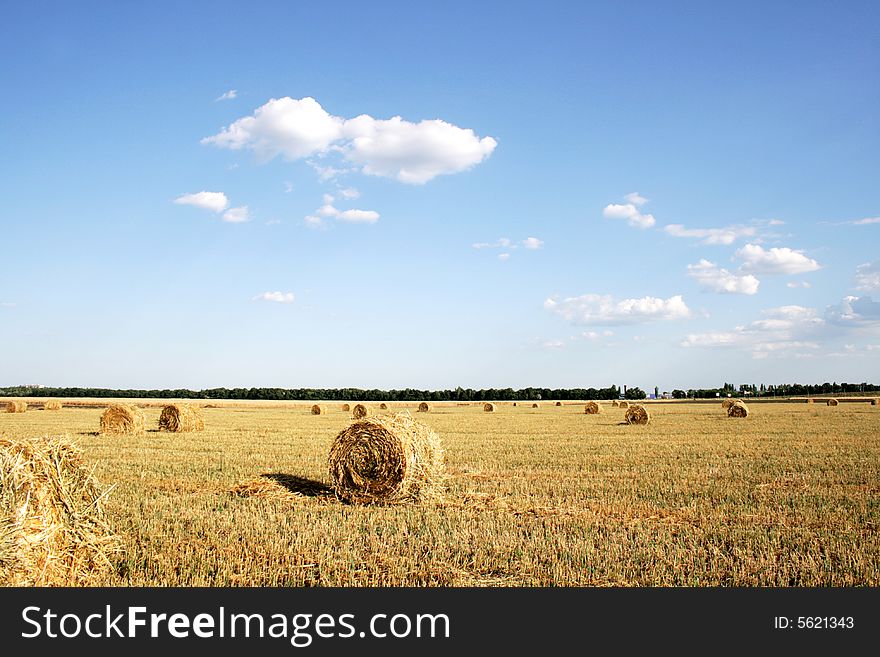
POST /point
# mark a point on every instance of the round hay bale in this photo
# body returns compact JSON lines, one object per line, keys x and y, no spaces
{"x":52,"y":405}
{"x":383,"y":406}
{"x":386,"y":460}
{"x":637,"y":415}
{"x":875,"y":402}
{"x":16,"y":406}
{"x":52,"y":526}
{"x":317,"y":409}
{"x":559,"y":403}
{"x":424,"y":407}
{"x":738,"y":409}
{"x":832,"y":402}
{"x":122,"y":419}
{"x":623,"y":404}
{"x":536,"y":405}
{"x":178,"y":418}
{"x":727,"y":403}
{"x":592,"y":408}
{"x":514,"y":403}
{"x":346,"y":407}
{"x":359,"y":410}
{"x":488,"y":407}
{"x":615,"y":403}
{"x":809,"y":401}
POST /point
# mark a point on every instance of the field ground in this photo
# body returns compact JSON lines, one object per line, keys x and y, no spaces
{"x":536,"y":497}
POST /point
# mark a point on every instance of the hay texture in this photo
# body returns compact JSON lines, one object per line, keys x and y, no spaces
{"x":738,"y":409}
{"x":727,"y":403}
{"x":52,"y":526}
{"x":317,"y":409}
{"x":424,"y":407}
{"x":875,"y":402}
{"x":387,"y":460}
{"x":832,"y":402}
{"x":359,"y":411}
{"x":809,"y":401}
{"x":592,"y":408}
{"x":52,"y":405}
{"x":623,"y":404}
{"x":181,"y":417}
{"x":16,"y":406}
{"x":637,"y":415}
{"x":346,"y":407}
{"x":615,"y":403}
{"x":122,"y":419}
{"x":488,"y":407}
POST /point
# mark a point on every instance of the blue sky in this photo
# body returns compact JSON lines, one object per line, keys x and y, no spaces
{"x":572,"y":194}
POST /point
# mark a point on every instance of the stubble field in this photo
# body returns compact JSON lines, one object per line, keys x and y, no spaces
{"x":535,"y":497}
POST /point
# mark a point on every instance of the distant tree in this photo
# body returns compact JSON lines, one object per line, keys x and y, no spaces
{"x":679,"y":394}
{"x":635,"y":393}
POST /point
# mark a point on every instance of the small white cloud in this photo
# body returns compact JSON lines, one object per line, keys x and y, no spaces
{"x":868,"y":276}
{"x":213,"y":201}
{"x":775,"y":222}
{"x":776,"y":260}
{"x":553,"y":344}
{"x":854,"y":311}
{"x":866,"y":221}
{"x":276,"y":297}
{"x":714,"y":279}
{"x":629,"y":212}
{"x":237,"y":215}
{"x":288,"y":187}
{"x":635,"y":198}
{"x":532,"y":243}
{"x":328,"y":199}
{"x":313,"y":221}
{"x":327,"y":173}
{"x":273,"y":222}
{"x":712,"y":236}
{"x":503,"y":256}
{"x":349,"y":194}
{"x":358,"y":216}
{"x":596,"y":309}
{"x":798,"y":284}
{"x":227,"y":95}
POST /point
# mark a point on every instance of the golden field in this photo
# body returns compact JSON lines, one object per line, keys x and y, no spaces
{"x":542,"y":496}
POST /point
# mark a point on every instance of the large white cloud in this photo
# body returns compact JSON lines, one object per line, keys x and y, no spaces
{"x":589,"y":309}
{"x":725,"y":236}
{"x":715,"y":279}
{"x":777,"y":260}
{"x":213,"y":201}
{"x":855,"y":311}
{"x":393,"y":148}
{"x":868,"y":276}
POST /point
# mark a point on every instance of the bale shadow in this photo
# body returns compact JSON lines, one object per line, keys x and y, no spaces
{"x":300,"y":485}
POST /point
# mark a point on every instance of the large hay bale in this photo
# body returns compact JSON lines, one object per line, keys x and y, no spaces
{"x":16,"y":406}
{"x":738,"y":409}
{"x":122,"y":419}
{"x":386,"y":460}
{"x":52,"y":405}
{"x":832,"y":402}
{"x":623,"y":404}
{"x":181,"y":417}
{"x":424,"y":407}
{"x":317,"y":409}
{"x":383,"y":406}
{"x":592,"y":408}
{"x":346,"y":407}
{"x":52,"y":526}
{"x":359,"y":411}
{"x":727,"y":403}
{"x":488,"y":407}
{"x":637,"y":415}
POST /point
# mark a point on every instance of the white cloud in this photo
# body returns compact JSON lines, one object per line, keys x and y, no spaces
{"x":532,"y":243}
{"x":727,"y":235}
{"x":866,"y":221}
{"x":635,"y":198}
{"x":854,"y":311}
{"x":213,"y":201}
{"x":629,"y":212}
{"x":237,"y":215}
{"x":326,"y":173}
{"x":714,"y":279}
{"x":313,"y":221}
{"x":349,"y":193}
{"x":503,"y":256}
{"x":277,"y":297}
{"x":553,"y":344}
{"x":776,"y":260}
{"x":227,"y":95}
{"x":394,"y":148}
{"x":273,"y":222}
{"x":798,"y":284}
{"x":868,"y":276}
{"x":358,"y":216}
{"x":776,"y":222}
{"x":596,"y":309}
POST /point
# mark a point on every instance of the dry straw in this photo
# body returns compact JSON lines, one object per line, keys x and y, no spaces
{"x":390,"y":459}
{"x":615,"y":403}
{"x":122,"y":419}
{"x":52,"y":526}
{"x":738,"y":409}
{"x":727,"y":403}
{"x":359,"y":411}
{"x":637,"y":415}
{"x":832,"y":402}
{"x":424,"y":407}
{"x":317,"y":409}
{"x":16,"y":406}
{"x":488,"y":407}
{"x":623,"y":404}
{"x":52,"y":405}
{"x":592,"y":408}
{"x":181,"y":417}
{"x":346,"y":407}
